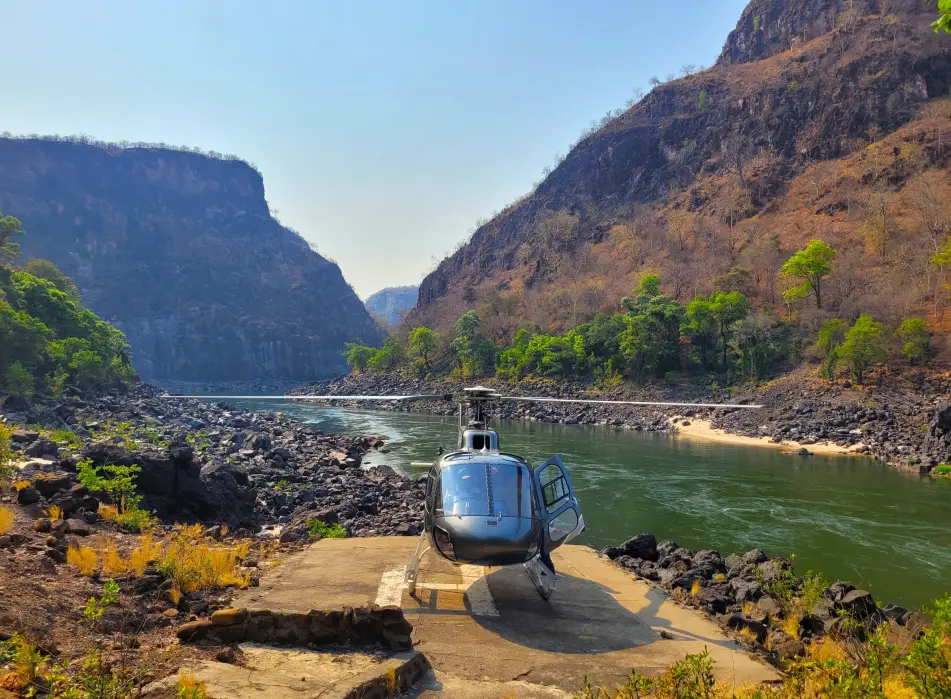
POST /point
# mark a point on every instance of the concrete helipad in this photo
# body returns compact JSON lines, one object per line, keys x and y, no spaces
{"x":491,"y":626}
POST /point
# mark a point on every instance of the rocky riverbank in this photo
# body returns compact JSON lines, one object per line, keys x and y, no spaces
{"x":904,"y":420}
{"x":210,"y":463}
{"x":760,"y":599}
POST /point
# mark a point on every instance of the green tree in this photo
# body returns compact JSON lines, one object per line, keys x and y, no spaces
{"x":943,"y":23}
{"x":423,"y":344}
{"x":863,"y":348}
{"x":359,"y":356}
{"x":475,"y":354}
{"x":44,"y":269}
{"x":917,"y":340}
{"x":388,"y":357}
{"x":650,"y":341}
{"x":811,"y":264}
{"x":831,"y":335}
{"x":18,"y":381}
{"x":9,"y":227}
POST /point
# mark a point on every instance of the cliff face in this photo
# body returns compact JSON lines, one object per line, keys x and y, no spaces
{"x":179,"y":251}
{"x":799,"y":83}
{"x":391,"y":304}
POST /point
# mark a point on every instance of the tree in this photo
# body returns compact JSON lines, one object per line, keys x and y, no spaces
{"x":917,"y":340}
{"x":18,"y":381}
{"x":831,"y":335}
{"x":811,"y":264}
{"x":943,"y":23}
{"x":388,"y":357}
{"x":9,"y":227}
{"x":44,"y":269}
{"x":359,"y":356}
{"x":863,"y":348}
{"x":423,"y":344}
{"x":942,"y":260}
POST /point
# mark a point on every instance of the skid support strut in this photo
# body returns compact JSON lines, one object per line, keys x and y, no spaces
{"x":413,"y":567}
{"x":542,"y":577}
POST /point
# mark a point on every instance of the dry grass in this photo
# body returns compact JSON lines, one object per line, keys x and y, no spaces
{"x":695,"y":587}
{"x":6,"y":520}
{"x":192,"y":563}
{"x":190,"y":688}
{"x":20,"y":485}
{"x":54,"y":513}
{"x":146,"y":552}
{"x":791,"y":625}
{"x":84,"y":558}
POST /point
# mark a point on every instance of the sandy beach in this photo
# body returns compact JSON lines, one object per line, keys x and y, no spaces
{"x":702,"y":429}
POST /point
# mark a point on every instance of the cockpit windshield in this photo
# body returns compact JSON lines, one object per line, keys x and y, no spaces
{"x":486,"y":489}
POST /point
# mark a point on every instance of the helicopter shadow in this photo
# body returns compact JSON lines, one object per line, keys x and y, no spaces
{"x":582,"y":617}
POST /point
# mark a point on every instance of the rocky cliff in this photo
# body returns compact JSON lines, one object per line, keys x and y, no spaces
{"x":179,"y":251}
{"x":815,"y":110}
{"x":392,"y":303}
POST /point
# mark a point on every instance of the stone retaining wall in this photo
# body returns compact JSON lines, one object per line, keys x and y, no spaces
{"x":361,"y":626}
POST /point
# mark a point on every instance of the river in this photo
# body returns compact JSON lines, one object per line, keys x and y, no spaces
{"x":849,"y":518}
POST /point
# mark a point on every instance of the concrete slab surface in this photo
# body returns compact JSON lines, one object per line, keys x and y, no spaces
{"x":492,"y":626}
{"x":286,"y":673}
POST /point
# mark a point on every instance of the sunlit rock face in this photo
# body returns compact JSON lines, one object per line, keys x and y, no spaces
{"x":179,"y":250}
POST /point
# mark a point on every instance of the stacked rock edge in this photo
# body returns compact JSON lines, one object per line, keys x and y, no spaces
{"x":351,"y":626}
{"x":733,"y":590}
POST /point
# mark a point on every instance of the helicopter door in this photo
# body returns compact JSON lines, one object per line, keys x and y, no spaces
{"x":559,"y":505}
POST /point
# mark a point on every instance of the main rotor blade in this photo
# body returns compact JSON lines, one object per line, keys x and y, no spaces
{"x":531,"y":399}
{"x":441,"y":396}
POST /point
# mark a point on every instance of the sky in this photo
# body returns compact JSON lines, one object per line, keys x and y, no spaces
{"x":383,"y":130}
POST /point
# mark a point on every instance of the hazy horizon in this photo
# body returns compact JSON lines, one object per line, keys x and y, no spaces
{"x":383,"y":132}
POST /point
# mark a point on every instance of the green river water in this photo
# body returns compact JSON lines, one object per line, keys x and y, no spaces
{"x":849,"y":518}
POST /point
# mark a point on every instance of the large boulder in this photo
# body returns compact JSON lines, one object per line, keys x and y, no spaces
{"x":43,"y":448}
{"x":641,"y":546}
{"x":937,"y":441}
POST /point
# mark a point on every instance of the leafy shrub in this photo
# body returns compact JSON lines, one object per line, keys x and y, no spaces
{"x":943,"y":469}
{"x":7,"y":468}
{"x":118,"y":483}
{"x":327,"y":531}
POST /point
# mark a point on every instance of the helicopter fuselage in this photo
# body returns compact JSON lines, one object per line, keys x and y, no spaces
{"x":486,"y":507}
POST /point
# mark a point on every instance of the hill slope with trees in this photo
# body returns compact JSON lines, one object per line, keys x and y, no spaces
{"x":178,"y":249}
{"x":807,"y":171}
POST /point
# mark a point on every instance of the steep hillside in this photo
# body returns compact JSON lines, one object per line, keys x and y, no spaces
{"x":179,"y":251}
{"x":391,"y":304}
{"x":822,"y":118}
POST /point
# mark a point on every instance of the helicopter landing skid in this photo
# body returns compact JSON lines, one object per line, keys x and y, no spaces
{"x":542,"y":577}
{"x":413,"y":567}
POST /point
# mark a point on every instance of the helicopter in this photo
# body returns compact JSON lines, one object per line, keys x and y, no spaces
{"x":486,"y":507}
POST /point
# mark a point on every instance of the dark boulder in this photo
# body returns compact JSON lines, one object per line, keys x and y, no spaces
{"x":784,"y":645}
{"x":50,"y":484}
{"x":754,"y":557}
{"x":28,"y":496}
{"x":738,"y":622}
{"x":24,"y":436}
{"x":666,"y":548}
{"x":43,"y":448}
{"x":641,"y":546}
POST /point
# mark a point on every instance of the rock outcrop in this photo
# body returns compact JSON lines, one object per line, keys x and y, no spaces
{"x":179,"y":251}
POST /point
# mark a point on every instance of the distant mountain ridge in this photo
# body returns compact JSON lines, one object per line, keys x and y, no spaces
{"x":179,"y":251}
{"x":392,"y":303}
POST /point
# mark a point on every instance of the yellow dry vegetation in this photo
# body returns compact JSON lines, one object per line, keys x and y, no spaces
{"x":83,"y":558}
{"x":193,"y":563}
{"x":187,"y":558}
{"x":6,"y":519}
{"x":54,"y":512}
{"x":20,"y":485}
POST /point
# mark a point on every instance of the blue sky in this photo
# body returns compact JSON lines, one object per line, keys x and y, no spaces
{"x":383,"y":130}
